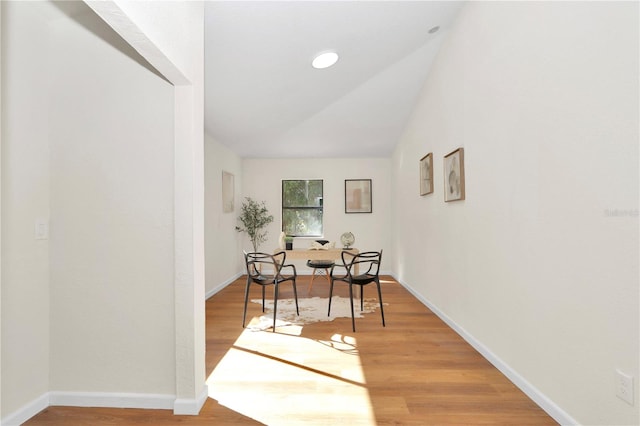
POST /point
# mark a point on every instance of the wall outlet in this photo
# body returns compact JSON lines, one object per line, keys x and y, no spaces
{"x":624,"y":387}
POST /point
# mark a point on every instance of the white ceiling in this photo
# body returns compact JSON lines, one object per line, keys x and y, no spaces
{"x":264,"y":100}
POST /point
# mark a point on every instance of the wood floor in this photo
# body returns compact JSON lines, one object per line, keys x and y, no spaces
{"x":414,"y":371}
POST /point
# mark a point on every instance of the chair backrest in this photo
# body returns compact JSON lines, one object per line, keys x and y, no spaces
{"x":368,"y":262}
{"x":257,"y":262}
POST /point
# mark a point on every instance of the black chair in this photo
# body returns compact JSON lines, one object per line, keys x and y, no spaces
{"x":273,"y":265}
{"x":320,"y":267}
{"x":367,"y":265}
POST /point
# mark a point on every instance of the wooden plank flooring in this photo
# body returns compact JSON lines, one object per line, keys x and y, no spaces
{"x":414,"y":371}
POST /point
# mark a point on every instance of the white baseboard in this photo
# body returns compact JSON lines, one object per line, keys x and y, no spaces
{"x":109,"y":400}
{"x":27,"y":411}
{"x":191,"y":407}
{"x":219,"y":287}
{"x":90,"y":399}
{"x":531,"y":391}
{"x":114,"y":400}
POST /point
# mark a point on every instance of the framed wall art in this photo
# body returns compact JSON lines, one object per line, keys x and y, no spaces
{"x":454,"y":175}
{"x":426,"y":174}
{"x":357,"y":196}
{"x":227,"y":192}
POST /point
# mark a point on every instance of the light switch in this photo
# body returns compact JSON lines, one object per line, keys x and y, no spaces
{"x":42,"y":229}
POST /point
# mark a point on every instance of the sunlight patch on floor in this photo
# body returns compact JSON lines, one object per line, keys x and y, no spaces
{"x":280,"y":378}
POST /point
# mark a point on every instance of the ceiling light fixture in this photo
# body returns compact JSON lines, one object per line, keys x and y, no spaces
{"x":324,"y":60}
{"x":434,"y":30}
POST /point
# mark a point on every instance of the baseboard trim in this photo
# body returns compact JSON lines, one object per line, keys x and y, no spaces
{"x":221,"y":286}
{"x":27,"y":411}
{"x":191,"y":407}
{"x":112,"y":400}
{"x":91,"y":399}
{"x":531,"y":391}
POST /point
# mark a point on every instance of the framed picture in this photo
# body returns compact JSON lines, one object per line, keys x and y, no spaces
{"x":426,"y":174}
{"x":454,"y":175}
{"x":357,"y":196}
{"x":227,"y":192}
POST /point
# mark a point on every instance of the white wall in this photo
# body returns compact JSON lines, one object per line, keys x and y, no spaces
{"x":88,"y":139}
{"x":222,"y":242}
{"x":170,"y":36}
{"x":112,"y":293}
{"x":262,"y":181}
{"x":25,"y":199}
{"x":540,"y":263}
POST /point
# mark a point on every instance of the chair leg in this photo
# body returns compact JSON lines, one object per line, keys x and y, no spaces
{"x":275,"y":305}
{"x":361,"y":298}
{"x":326,"y":274}
{"x":353,"y":316}
{"x":330,"y":294}
{"x":380,"y":299}
{"x":262,"y":298}
{"x":246,"y":299}
{"x":313,"y":275}
{"x":295,"y":295}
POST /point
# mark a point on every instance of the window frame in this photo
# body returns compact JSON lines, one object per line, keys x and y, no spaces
{"x":319,"y":208}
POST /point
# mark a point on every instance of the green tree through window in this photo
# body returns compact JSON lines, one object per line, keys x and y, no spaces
{"x":302,"y":208}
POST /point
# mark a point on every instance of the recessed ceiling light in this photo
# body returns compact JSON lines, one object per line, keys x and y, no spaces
{"x":324,"y":60}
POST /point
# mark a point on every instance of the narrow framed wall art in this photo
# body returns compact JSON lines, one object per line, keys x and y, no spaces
{"x":357,"y":196}
{"x":228,"y":189}
{"x":454,"y":175}
{"x":426,"y":174}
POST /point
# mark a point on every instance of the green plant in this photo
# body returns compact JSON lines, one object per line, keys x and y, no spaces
{"x":254,"y":217}
{"x":288,"y":239}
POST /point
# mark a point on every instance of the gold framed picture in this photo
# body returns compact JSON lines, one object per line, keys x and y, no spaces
{"x":228,"y":190}
{"x":454,"y":175}
{"x":426,"y":174}
{"x":357,"y":196}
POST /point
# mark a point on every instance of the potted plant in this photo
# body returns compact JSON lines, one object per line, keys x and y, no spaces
{"x":254,"y":217}
{"x":288,"y":240}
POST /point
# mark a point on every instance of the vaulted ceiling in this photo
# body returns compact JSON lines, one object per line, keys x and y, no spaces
{"x":264,"y":100}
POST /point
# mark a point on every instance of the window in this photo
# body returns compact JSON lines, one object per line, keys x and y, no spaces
{"x":302,"y":208}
